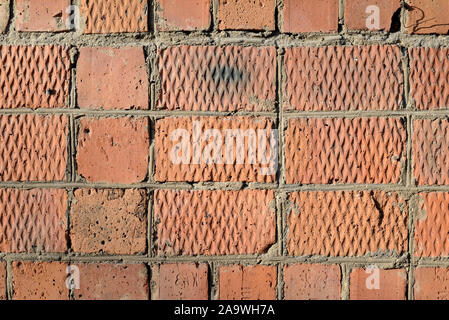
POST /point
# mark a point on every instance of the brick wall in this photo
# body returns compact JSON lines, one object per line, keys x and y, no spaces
{"x":352,"y":202}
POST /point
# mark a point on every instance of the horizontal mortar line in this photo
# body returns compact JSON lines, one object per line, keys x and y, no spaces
{"x":368,"y":113}
{"x":431,"y":262}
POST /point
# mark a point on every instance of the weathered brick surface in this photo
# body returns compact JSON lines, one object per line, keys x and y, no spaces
{"x":4,"y":15}
{"x":112,"y":282}
{"x":343,"y":78}
{"x":113,"y":149}
{"x":246,"y":14}
{"x":425,"y":17}
{"x":179,"y":281}
{"x":110,"y":78}
{"x":38,"y":15}
{"x":310,"y":16}
{"x":391,"y":284}
{"x":185,"y":15}
{"x":238,"y":282}
{"x":33,"y":147}
{"x":109,"y":221}
{"x":431,"y":284}
{"x":2,"y":280}
{"x":346,"y":223}
{"x":312,"y":282}
{"x":343,"y":150}
{"x":214,"y":222}
{"x":209,"y":78}
{"x":363,"y":14}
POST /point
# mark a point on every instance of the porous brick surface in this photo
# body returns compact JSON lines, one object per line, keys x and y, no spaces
{"x":37,"y":15}
{"x":372,"y":15}
{"x":185,"y":15}
{"x":2,"y":281}
{"x":378,"y":284}
{"x":427,"y":17}
{"x":246,"y":14}
{"x":431,"y":284}
{"x":4,"y":14}
{"x":304,"y":16}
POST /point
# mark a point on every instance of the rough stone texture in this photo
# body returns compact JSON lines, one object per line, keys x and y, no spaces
{"x":33,"y":147}
{"x":33,"y":220}
{"x":346,"y":223}
{"x":4,"y":15}
{"x":113,"y":149}
{"x":34,"y":77}
{"x":110,"y":78}
{"x":238,"y":282}
{"x":344,"y":150}
{"x":2,"y":280}
{"x":426,"y":17}
{"x":109,"y":221}
{"x":431,"y":284}
{"x":392,"y":285}
{"x":312,"y":282}
{"x":246,"y":14}
{"x":209,"y":78}
{"x":359,"y":15}
{"x":187,"y":15}
{"x":112,"y":282}
{"x":179,"y":281}
{"x":343,"y":78}
{"x":214,"y":222}
{"x":310,"y":16}
{"x":38,"y":15}
{"x":39,"y":281}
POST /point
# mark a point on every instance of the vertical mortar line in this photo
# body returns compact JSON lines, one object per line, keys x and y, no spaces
{"x":280,"y":278}
{"x":72,"y":105}
{"x":151,"y":22}
{"x":9,"y":280}
{"x":345,"y":279}
{"x":214,"y":15}
{"x":341,"y":16}
{"x":150,"y":200}
{"x":213,"y":281}
{"x":279,"y":15}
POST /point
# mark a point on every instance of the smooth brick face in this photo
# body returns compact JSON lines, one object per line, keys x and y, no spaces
{"x":34,"y":77}
{"x":214,"y":222}
{"x":208,"y":78}
{"x":346,"y":223}
{"x":39,"y":281}
{"x":114,"y":16}
{"x":426,"y":17}
{"x":109,"y":221}
{"x":112,"y":282}
{"x":310,"y":16}
{"x":312,"y":282}
{"x":33,"y":220}
{"x":247,"y":283}
{"x":113,"y":149}
{"x":343,"y":78}
{"x":173,"y":15}
{"x":110,"y":78}
{"x":392,"y":284}
{"x":38,"y":15}
{"x":359,"y":14}
{"x":187,"y":281}
{"x":4,"y":15}
{"x":336,"y":151}
{"x":33,"y":147}
{"x":177,"y":159}
{"x":2,"y":280}
{"x":246,"y":14}
{"x":431,"y":284}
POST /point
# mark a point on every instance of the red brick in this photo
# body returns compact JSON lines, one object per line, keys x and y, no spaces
{"x":180,"y":281}
{"x":110,"y":78}
{"x":2,"y":280}
{"x":358,"y":13}
{"x":33,"y":147}
{"x":343,"y":78}
{"x":113,"y":149}
{"x":112,"y":282}
{"x":177,"y":159}
{"x":310,"y":16}
{"x":392,"y":284}
{"x":38,"y":15}
{"x":431,"y":284}
{"x":185,"y":15}
{"x":4,"y":15}
{"x":33,"y":220}
{"x":214,"y":222}
{"x":114,"y":16}
{"x":246,"y":14}
{"x":34,"y":77}
{"x":336,"y":151}
{"x":312,"y":282}
{"x":346,"y":223}
{"x":39,"y":281}
{"x":238,"y":282}
{"x":209,"y":78}
{"x":426,"y":17}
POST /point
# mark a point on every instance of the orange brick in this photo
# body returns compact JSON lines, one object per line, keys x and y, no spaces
{"x":4,"y":15}
{"x":359,"y":14}
{"x":180,"y":281}
{"x":378,"y":284}
{"x":310,"y":16}
{"x":214,"y":222}
{"x":182,"y":15}
{"x":2,"y":280}
{"x":431,"y":284}
{"x":426,"y":17}
{"x":38,"y":15}
{"x":246,"y":14}
{"x":238,"y":282}
{"x":312,"y":282}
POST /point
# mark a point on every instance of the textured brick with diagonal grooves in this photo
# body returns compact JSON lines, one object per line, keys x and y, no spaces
{"x":115,"y":16}
{"x":34,"y":77}
{"x":33,"y":220}
{"x":346,"y":223}
{"x":213,"y":222}
{"x":360,"y":150}
{"x":207,"y":78}
{"x":33,"y":147}
{"x":343,"y":78}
